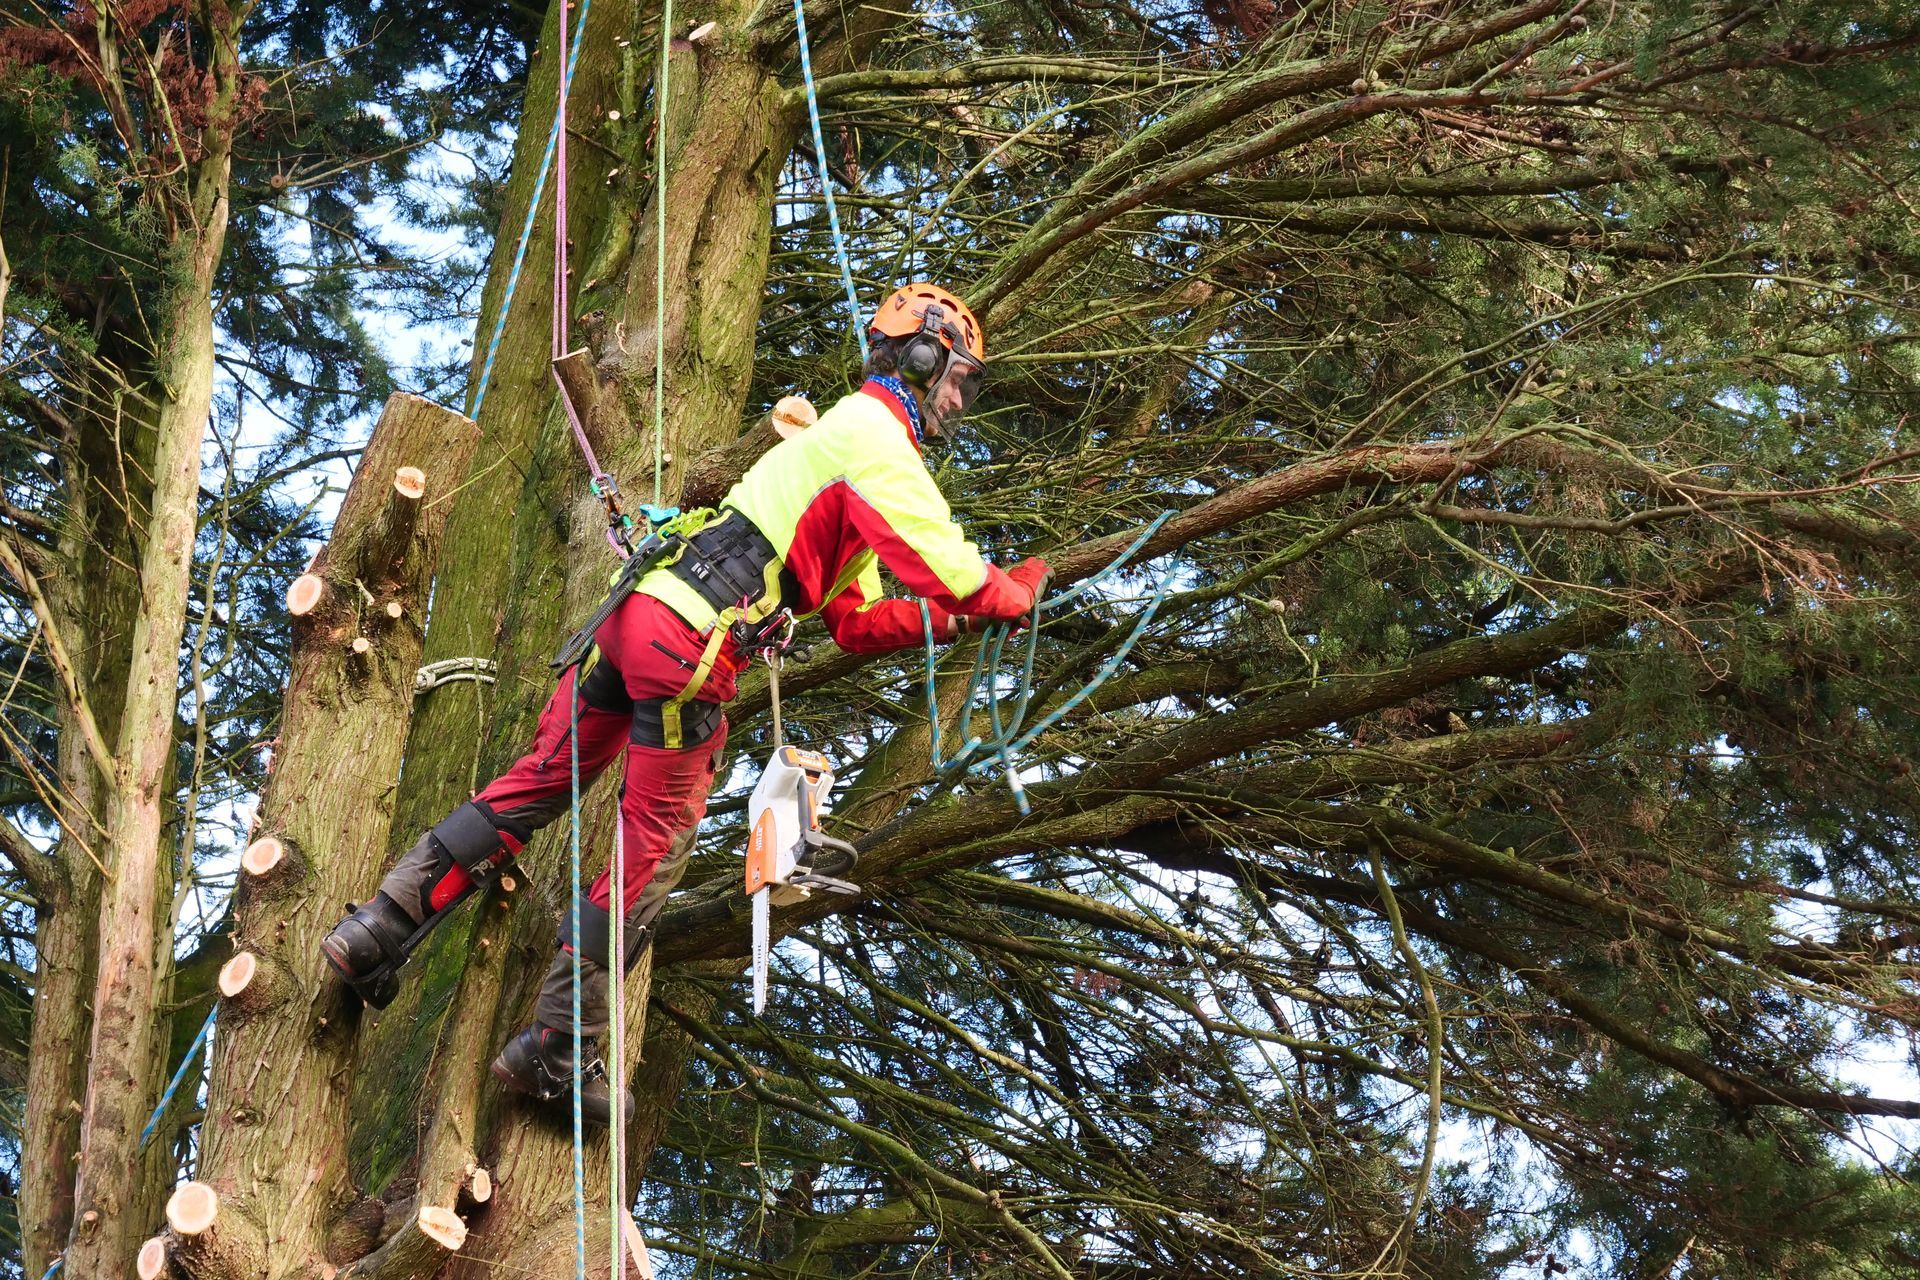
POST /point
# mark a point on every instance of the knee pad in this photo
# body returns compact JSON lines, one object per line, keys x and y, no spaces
{"x":470,"y":846}
{"x":596,"y":936}
{"x":474,"y":834}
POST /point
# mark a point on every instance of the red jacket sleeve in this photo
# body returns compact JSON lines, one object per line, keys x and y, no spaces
{"x":879,"y":625}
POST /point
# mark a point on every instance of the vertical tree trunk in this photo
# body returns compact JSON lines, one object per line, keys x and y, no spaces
{"x":124,"y":1063}
{"x":501,"y":553}
{"x":93,"y":599}
{"x":730,"y":126}
{"x":274,"y":1141}
{"x":524,"y":555}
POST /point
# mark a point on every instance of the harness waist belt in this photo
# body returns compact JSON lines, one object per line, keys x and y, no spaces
{"x":726,"y":562}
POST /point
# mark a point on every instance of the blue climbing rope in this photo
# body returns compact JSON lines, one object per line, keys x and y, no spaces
{"x":826,"y":180}
{"x":533,"y":210}
{"x":1008,"y":740}
{"x":173,"y":1086}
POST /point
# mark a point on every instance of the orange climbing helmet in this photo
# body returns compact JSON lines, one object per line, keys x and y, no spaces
{"x":937,"y":340}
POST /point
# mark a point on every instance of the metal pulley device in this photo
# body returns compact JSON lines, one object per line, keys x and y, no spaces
{"x":786,"y":843}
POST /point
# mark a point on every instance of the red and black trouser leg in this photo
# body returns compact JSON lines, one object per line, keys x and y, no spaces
{"x":663,"y":798}
{"x":458,"y":856}
{"x":466,"y":849}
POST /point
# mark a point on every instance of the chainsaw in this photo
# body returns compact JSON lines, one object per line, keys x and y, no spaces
{"x":784,"y":863}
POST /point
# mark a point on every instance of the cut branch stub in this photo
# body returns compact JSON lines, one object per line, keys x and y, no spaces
{"x":410,"y":482}
{"x":374,"y":535}
{"x":151,"y":1262}
{"x":710,"y":475}
{"x":305,"y":594}
{"x":250,"y":982}
{"x":793,"y":415}
{"x":210,"y":1239}
{"x":478,"y":1186}
{"x":237,"y":974}
{"x":263,"y":856}
{"x":593,"y":406}
{"x":443,"y":1226}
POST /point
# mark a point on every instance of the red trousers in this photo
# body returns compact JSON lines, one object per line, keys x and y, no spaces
{"x":655,"y":654}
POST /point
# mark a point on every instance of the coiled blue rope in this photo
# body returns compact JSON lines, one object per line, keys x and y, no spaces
{"x":1007,"y":740}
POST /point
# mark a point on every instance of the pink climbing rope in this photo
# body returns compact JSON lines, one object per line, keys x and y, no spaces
{"x":563,"y":303}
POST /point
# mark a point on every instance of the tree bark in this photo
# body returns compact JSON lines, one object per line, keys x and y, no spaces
{"x":274,"y":1140}
{"x":124,"y":1067}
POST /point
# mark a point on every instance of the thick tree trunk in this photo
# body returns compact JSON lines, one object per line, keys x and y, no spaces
{"x":422,"y":1103}
{"x":274,"y":1140}
{"x":501,"y":555}
{"x":725,"y":104}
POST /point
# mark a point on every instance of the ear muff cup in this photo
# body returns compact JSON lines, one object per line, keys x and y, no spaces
{"x":920,"y":360}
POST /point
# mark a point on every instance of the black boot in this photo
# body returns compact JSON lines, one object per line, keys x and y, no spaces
{"x":539,"y":1063}
{"x":368,"y":947}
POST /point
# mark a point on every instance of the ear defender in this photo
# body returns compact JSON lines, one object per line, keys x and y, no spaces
{"x":925,"y":354}
{"x":920,"y":360}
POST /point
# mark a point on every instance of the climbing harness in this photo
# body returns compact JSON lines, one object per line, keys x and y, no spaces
{"x":1005,"y":741}
{"x":786,"y":841}
{"x":655,"y":547}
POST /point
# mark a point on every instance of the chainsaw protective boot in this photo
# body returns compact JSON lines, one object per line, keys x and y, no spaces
{"x":462,"y":853}
{"x":539,"y":1060}
{"x":367,"y":946}
{"x":539,"y":1063}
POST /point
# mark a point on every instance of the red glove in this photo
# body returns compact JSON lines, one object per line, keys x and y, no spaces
{"x":951,"y":626}
{"x":1034,"y":574}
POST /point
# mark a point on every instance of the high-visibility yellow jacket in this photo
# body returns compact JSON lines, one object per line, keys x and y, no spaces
{"x":838,"y":500}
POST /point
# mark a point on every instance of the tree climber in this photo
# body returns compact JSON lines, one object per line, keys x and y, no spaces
{"x":803,"y":532}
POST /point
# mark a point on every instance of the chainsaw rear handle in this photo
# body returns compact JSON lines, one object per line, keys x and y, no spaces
{"x":817,"y":840}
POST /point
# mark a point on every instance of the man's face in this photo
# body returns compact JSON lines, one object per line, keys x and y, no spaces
{"x":946,"y":403}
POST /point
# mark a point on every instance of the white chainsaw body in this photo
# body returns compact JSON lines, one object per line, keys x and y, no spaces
{"x":784,"y":820}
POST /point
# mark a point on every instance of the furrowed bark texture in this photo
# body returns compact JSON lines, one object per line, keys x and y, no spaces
{"x":500,"y":544}
{"x":724,"y":105}
{"x":125,"y":1066}
{"x":274,"y":1140}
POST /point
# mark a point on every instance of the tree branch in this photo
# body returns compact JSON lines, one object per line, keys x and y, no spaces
{"x":58,"y":654}
{"x":41,"y":871}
